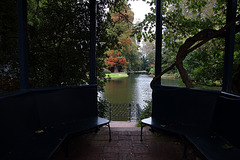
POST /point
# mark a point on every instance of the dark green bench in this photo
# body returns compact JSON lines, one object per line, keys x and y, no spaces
{"x":194,"y":115}
{"x":35,"y":123}
{"x":222,"y":142}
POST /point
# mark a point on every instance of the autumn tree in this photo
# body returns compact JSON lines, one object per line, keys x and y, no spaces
{"x":115,"y":60}
{"x":121,"y":28}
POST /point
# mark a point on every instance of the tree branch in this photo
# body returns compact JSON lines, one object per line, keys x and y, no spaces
{"x":203,"y":36}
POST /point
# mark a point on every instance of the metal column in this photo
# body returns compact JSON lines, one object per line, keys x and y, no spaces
{"x":23,"y":44}
{"x":229,"y":47}
{"x":92,"y":73}
{"x":158,"y":42}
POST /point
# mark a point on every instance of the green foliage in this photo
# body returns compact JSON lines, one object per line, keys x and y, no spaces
{"x":103,"y":107}
{"x":183,"y":19}
{"x":145,"y":64}
{"x":59,"y":43}
{"x":146,"y":112}
{"x":58,"y":36}
{"x":151,"y":70}
{"x":106,"y":71}
{"x":148,"y":52}
{"x":9,"y":61}
{"x":205,"y":65}
{"x":151,"y":58}
{"x":236,"y":66}
{"x":133,"y":57}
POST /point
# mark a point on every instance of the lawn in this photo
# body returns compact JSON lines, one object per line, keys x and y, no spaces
{"x":117,"y":75}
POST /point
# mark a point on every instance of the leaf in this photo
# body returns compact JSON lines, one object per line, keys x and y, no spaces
{"x":39,"y":131}
{"x":227,"y":146}
{"x":162,"y":125}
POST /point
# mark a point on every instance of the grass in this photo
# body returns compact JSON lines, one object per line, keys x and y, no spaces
{"x":138,"y":72}
{"x":117,"y":75}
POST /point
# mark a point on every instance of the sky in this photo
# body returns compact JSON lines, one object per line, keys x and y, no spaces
{"x":139,"y":8}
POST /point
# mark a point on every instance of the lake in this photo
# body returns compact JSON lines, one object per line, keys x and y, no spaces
{"x":132,"y":89}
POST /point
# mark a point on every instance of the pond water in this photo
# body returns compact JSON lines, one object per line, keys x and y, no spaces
{"x":132,"y":89}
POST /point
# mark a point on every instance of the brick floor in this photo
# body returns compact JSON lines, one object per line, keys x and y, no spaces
{"x":125,"y":145}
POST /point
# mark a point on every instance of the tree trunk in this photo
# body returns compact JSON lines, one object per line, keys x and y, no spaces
{"x":184,"y":75}
{"x":115,"y":69}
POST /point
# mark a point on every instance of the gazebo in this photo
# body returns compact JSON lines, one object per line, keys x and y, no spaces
{"x":35,"y":122}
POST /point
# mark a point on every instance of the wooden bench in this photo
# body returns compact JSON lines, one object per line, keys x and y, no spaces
{"x":222,"y":141}
{"x":194,"y":115}
{"x":35,"y":123}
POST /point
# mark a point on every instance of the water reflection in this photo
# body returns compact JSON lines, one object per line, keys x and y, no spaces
{"x":132,"y":89}
{"x":135,"y":89}
{"x":142,"y":89}
{"x":120,"y":90}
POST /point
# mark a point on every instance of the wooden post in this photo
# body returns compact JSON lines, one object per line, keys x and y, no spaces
{"x":158,"y":42}
{"x":229,"y":47}
{"x":23,"y":44}
{"x":92,"y":73}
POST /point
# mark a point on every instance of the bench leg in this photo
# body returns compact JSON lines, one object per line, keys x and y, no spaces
{"x":185,"y":148}
{"x":142,"y":125}
{"x":67,"y":147}
{"x":97,"y":129}
{"x":109,"y":132}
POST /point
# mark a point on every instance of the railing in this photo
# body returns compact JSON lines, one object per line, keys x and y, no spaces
{"x":124,"y":112}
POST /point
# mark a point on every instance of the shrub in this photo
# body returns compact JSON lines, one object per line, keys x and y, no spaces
{"x":146,"y":112}
{"x":106,"y":71}
{"x":103,"y":107}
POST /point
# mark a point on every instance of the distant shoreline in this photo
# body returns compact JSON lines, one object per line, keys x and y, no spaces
{"x":167,"y":76}
{"x":170,"y":76}
{"x":124,"y":74}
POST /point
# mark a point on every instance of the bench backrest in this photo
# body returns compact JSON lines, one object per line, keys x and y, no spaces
{"x":227,"y":118}
{"x":18,"y":120}
{"x":184,"y":106}
{"x":24,"y":113}
{"x":66,"y":105}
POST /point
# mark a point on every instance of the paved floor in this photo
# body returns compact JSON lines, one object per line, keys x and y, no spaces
{"x":123,"y":124}
{"x":125,"y":145}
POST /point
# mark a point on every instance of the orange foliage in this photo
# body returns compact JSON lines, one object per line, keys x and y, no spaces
{"x":128,"y":41}
{"x":115,"y":59}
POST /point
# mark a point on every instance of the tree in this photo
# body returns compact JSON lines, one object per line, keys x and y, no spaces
{"x":58,"y":34}
{"x":133,"y":57}
{"x":184,"y":19}
{"x":147,"y":47}
{"x":115,"y":60}
{"x":190,"y":45}
{"x":148,"y":50}
{"x":121,"y":29}
{"x":9,"y":65}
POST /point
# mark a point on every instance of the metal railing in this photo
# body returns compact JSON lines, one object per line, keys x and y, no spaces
{"x":124,"y":112}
